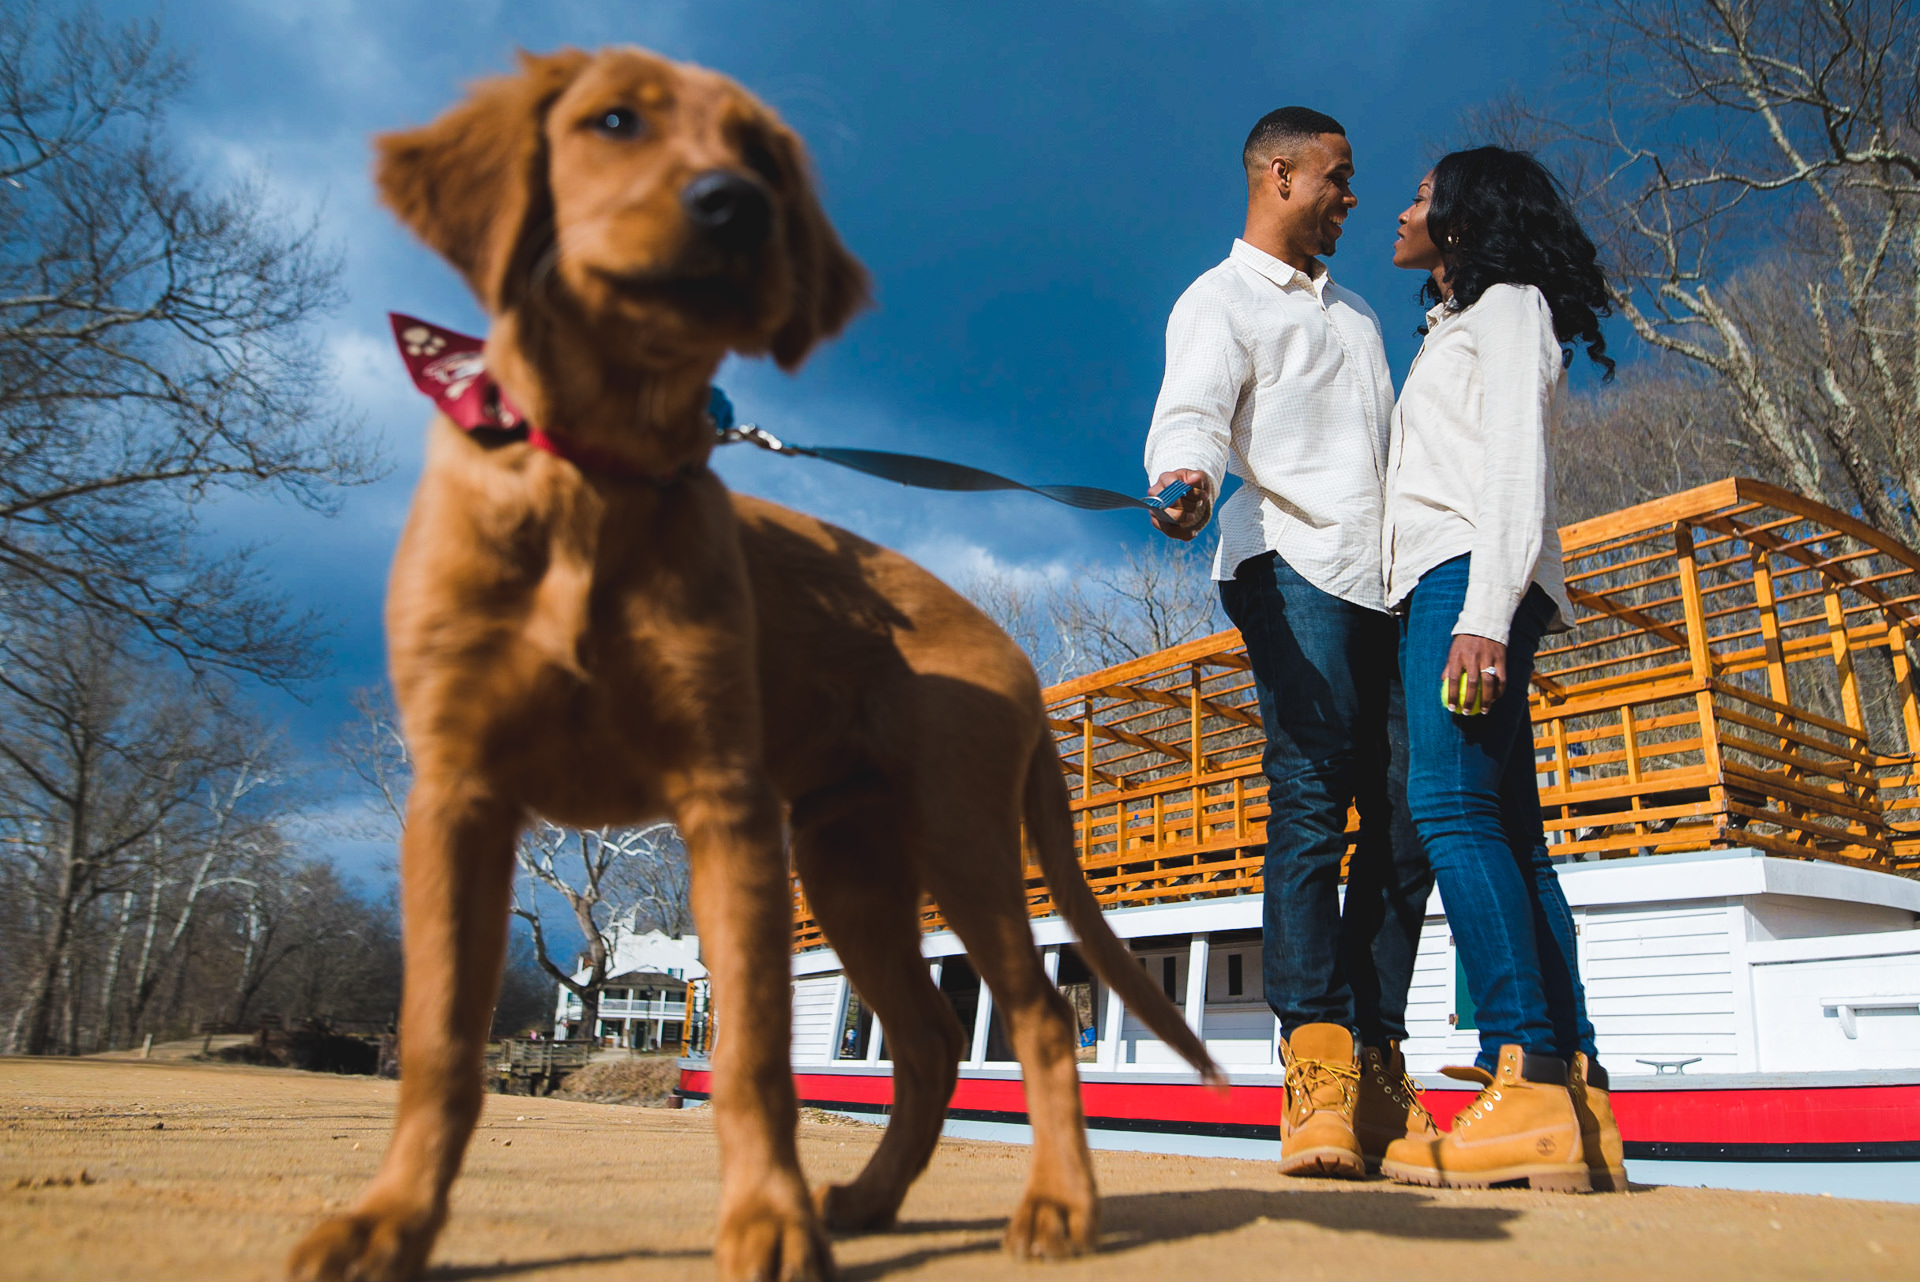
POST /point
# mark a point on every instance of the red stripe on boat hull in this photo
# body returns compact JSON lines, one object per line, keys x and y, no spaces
{"x":1754,"y":1124}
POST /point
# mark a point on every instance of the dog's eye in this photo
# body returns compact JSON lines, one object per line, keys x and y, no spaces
{"x":620,"y":122}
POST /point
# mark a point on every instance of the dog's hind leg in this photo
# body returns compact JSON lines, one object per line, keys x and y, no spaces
{"x":977,"y":880}
{"x":863,"y":891}
{"x":456,"y":869}
{"x":743,"y":902}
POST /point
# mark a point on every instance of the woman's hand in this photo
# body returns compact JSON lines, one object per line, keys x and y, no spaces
{"x":1484,"y":664}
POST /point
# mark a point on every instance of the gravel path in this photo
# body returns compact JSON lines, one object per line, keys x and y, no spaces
{"x":117,"y":1169}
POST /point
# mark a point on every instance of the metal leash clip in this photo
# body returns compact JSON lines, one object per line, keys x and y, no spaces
{"x":728,"y":432}
{"x":753,"y":435}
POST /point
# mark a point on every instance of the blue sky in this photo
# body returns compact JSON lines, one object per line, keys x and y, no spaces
{"x":1031,"y":185}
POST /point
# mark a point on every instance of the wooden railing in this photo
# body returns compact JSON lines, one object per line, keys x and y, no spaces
{"x":1741,"y":673}
{"x":1741,"y":676}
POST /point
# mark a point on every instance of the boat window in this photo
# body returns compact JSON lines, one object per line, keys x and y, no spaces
{"x":856,"y":1029}
{"x":1169,"y":975}
{"x":1236,"y":980}
{"x":1076,"y":985}
{"x":961,"y":984}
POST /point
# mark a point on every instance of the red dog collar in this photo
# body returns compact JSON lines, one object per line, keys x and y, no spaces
{"x":451,"y":368}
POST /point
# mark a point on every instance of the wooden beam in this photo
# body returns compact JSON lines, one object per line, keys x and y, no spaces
{"x":1649,"y":517}
{"x":1903,"y":679}
{"x":1827,"y":570}
{"x":1169,"y":699}
{"x":1627,"y":614}
{"x":1214,"y":651}
{"x":1843,"y":661}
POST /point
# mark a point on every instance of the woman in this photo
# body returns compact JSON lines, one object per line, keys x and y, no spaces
{"x":1473,"y":568}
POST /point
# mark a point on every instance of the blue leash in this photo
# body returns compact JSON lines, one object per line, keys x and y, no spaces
{"x":929,"y":473}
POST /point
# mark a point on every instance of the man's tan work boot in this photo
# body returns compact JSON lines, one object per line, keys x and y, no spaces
{"x":1599,"y":1135}
{"x":1316,"y":1130}
{"x":1522,"y":1127}
{"x":1389,"y":1106}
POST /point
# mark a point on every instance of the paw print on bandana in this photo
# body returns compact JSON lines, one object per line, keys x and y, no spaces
{"x":456,"y":372}
{"x":422,"y":341}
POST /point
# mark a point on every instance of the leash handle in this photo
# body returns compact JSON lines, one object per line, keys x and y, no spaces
{"x":1168,"y":497}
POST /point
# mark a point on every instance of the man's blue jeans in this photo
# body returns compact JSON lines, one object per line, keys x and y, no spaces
{"x":1476,"y":801}
{"x":1336,"y":735}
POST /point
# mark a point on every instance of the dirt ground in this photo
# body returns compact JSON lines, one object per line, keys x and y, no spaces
{"x":131,"y":1170}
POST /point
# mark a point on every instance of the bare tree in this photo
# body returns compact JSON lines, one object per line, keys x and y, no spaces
{"x":1754,"y":169}
{"x":314,"y":949}
{"x":586,"y":869}
{"x":1659,"y":428}
{"x":651,"y":885}
{"x":372,"y":748}
{"x":600,"y":875}
{"x":95,"y":766}
{"x":1151,"y":596}
{"x":156,"y":349}
{"x":236,"y":844}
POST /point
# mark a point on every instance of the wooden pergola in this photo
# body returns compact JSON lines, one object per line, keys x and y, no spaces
{"x":1741,"y":674}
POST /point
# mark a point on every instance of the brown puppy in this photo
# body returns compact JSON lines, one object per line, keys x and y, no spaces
{"x":622,"y":641}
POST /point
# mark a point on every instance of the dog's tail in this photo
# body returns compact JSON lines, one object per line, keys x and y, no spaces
{"x":1050,"y":828}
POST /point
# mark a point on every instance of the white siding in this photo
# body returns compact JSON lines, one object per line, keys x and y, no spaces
{"x":1217,"y":968}
{"x":1659,"y":981}
{"x":815,"y":1002}
{"x":1798,"y":1032}
{"x":1240,"y":1033}
{"x":1238,"y":1027}
{"x":1430,"y":1002}
{"x":1137,"y":1044}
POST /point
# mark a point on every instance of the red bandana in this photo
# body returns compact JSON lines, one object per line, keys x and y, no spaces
{"x":451,"y":368}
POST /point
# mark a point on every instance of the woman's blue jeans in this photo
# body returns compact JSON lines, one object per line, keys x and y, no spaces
{"x":1475,"y":799}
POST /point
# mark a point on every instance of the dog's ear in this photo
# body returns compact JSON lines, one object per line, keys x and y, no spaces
{"x":829,"y":284}
{"x":473,"y":184}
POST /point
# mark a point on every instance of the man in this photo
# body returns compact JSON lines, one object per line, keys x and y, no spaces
{"x":1279,"y":375}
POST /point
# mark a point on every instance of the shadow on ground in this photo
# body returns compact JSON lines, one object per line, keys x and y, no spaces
{"x":520,"y":1268}
{"x":1137,"y":1220}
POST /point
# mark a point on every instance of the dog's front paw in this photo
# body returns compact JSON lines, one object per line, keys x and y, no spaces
{"x":766,"y":1243}
{"x":847,"y":1208}
{"x":1046,"y":1228}
{"x":368,"y":1245}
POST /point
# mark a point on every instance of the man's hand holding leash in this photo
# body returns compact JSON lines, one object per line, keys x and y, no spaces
{"x":1186,"y":517}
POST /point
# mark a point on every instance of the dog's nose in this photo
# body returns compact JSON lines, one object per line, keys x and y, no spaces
{"x":731,"y":209}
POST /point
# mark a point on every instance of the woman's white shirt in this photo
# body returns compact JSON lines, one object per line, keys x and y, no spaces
{"x":1467,"y":465}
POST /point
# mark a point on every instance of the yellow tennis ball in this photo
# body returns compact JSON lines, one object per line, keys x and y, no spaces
{"x":1457,"y":704}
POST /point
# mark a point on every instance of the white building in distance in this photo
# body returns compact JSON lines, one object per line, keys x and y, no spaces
{"x":643,"y":1000}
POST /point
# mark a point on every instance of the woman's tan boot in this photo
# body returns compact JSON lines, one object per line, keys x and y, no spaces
{"x":1323,"y":1078}
{"x":1388,"y":1107}
{"x":1599,"y":1135}
{"x":1522,"y":1127}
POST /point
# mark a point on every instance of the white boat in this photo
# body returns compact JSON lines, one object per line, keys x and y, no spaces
{"x":1726,"y":747}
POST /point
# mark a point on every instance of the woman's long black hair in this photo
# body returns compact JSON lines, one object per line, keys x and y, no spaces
{"x":1499,"y":218}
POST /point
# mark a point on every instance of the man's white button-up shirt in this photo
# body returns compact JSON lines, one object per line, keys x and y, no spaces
{"x":1281,"y":378}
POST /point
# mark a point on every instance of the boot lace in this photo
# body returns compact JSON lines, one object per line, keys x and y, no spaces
{"x":1306,"y":1076}
{"x":1482,"y":1106}
{"x":1406,"y":1093}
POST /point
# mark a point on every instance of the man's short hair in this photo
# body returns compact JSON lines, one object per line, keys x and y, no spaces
{"x":1277,"y":131}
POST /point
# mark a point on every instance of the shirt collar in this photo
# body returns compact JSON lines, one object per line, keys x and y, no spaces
{"x":1281,"y":273}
